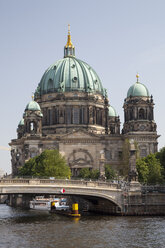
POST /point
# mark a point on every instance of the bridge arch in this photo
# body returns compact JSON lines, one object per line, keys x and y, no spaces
{"x":100,"y":195}
{"x":99,"y":202}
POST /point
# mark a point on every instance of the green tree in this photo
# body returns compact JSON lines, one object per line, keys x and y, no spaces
{"x":125,"y":156}
{"x":143,"y":171}
{"x":149,"y":170}
{"x":27,"y":169}
{"x":109,"y":172}
{"x":161,"y":156}
{"x":49,"y":163}
{"x":95,"y":174}
{"x":87,"y":173}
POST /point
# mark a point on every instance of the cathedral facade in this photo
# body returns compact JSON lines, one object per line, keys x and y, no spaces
{"x":71,"y":112}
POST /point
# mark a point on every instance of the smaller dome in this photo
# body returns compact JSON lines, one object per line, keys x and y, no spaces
{"x":138,"y":89}
{"x":21,"y":123}
{"x":111,"y":112}
{"x":34,"y":106}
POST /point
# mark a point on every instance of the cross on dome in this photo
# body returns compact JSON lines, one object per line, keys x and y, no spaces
{"x":137,"y":76}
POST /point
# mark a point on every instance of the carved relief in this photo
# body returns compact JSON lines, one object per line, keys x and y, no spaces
{"x":80,"y":158}
{"x":16,"y":159}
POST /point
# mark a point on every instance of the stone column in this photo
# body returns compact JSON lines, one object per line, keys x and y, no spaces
{"x":101,"y":165}
{"x":132,"y":161}
{"x":90,"y":115}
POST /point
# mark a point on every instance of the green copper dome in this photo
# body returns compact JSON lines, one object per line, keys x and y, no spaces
{"x":33,"y":106}
{"x":69,"y":74}
{"x":138,"y":89}
{"x":111,"y":112}
{"x":21,"y":123}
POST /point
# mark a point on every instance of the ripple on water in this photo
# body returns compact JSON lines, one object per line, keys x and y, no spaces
{"x":21,"y":228}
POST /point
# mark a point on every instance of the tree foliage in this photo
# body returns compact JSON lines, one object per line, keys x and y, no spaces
{"x":161,"y":157}
{"x":109,"y":172}
{"x":125,"y":156}
{"x":87,"y":173}
{"x":49,"y":163}
{"x":149,"y":170}
{"x":95,"y":174}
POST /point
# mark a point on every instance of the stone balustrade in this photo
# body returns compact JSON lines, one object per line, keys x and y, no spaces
{"x":81,"y":183}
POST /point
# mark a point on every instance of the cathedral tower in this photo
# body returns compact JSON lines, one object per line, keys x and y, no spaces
{"x":139,"y":118}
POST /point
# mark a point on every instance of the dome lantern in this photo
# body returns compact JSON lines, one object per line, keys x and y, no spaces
{"x":69,"y":49}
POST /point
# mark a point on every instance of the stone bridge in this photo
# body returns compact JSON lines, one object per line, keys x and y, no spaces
{"x":105,"y":195}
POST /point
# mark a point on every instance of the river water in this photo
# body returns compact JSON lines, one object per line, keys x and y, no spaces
{"x":30,"y":228}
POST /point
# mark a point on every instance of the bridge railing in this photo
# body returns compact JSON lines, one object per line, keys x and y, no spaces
{"x":14,"y":181}
{"x":153,"y":188}
{"x":60,"y":182}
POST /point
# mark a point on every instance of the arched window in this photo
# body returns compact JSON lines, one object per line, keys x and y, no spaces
{"x":76,"y":116}
{"x":143,"y":151}
{"x":50,"y":85}
{"x":141,"y":114}
{"x":31,"y":126}
{"x":125,"y":116}
{"x":131,"y":114}
{"x":61,"y":112}
{"x":108,"y":155}
{"x":68,"y":115}
{"x":99,"y":117}
{"x":55,"y":116}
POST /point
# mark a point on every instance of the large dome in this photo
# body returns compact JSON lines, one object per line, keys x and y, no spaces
{"x":138,"y":89}
{"x":70,"y":74}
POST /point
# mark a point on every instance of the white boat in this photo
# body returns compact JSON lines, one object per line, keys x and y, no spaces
{"x":60,"y":204}
{"x":46,"y":204}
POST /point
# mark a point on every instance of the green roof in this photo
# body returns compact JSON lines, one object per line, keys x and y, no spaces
{"x":33,"y":106}
{"x":69,"y":74}
{"x":21,"y":123}
{"x":112,"y":112}
{"x":138,"y":89}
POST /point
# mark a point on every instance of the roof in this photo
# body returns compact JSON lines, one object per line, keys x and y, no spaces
{"x":21,"y":123}
{"x":138,"y":89}
{"x":70,"y":74}
{"x":112,"y":112}
{"x":33,"y":106}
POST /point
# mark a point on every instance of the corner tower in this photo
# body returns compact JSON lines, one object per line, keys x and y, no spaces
{"x":139,"y":121}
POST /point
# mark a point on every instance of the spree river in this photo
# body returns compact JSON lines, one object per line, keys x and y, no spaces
{"x":30,"y":228}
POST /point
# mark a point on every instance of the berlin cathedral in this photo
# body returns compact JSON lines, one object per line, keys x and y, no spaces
{"x":70,"y":111}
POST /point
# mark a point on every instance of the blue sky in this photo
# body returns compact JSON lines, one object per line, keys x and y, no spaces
{"x":117,"y":38}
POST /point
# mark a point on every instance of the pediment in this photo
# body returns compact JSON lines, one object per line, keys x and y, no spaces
{"x":80,"y":134}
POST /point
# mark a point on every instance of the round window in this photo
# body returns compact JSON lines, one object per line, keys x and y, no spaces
{"x":75,"y":79}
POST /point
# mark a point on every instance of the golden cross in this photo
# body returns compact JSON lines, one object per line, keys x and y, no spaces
{"x":137,"y":76}
{"x":68,"y":28}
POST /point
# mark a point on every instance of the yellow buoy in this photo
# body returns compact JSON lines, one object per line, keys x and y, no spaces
{"x":75,"y":212}
{"x":53,"y":205}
